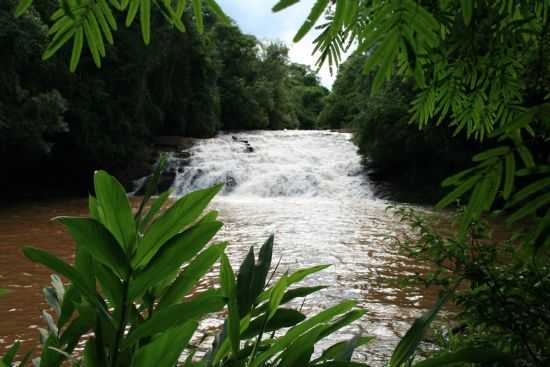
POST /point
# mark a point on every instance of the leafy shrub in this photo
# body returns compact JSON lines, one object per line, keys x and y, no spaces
{"x":501,"y":290}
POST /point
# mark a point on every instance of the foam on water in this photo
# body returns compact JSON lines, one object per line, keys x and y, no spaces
{"x":270,"y":164}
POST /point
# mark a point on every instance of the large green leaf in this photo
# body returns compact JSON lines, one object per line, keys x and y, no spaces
{"x":155,"y":208}
{"x":11,"y":353}
{"x":151,"y":184}
{"x":276,"y":296}
{"x":283,"y":342}
{"x":70,"y":273}
{"x":244,"y":278}
{"x":300,"y":275}
{"x":98,"y":241}
{"x":300,"y":292}
{"x":192,"y":274}
{"x":184,"y":212}
{"x":283,"y":318}
{"x":75,"y":330}
{"x":91,"y":356}
{"x":172,"y":255}
{"x":115,"y":211}
{"x":111,"y":284}
{"x":343,"y":351}
{"x":165,"y":349}
{"x":229,"y":285}
{"x":293,"y":278}
{"x":176,"y":315}
{"x":252,"y":276}
{"x":342,"y":322}
{"x":408,"y":344}
{"x":300,"y":351}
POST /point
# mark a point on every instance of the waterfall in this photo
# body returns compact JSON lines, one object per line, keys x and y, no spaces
{"x":274,"y":164}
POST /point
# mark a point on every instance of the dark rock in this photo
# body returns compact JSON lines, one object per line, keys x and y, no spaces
{"x":230,"y":182}
{"x":183,"y":154}
{"x":174,"y":143}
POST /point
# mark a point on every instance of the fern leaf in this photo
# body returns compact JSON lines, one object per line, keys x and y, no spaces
{"x":530,"y":208}
{"x":539,"y":185}
{"x":22,"y":7}
{"x":197,"y":9}
{"x":510,"y":172}
{"x":283,"y":4}
{"x":314,"y":15}
{"x":458,"y":192}
{"x":77,"y":49}
{"x":145,"y":20}
{"x":132,"y":12}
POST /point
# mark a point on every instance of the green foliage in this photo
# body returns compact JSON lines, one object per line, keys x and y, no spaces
{"x":9,"y":358}
{"x":188,"y":84}
{"x":96,"y":21}
{"x":503,"y":291}
{"x":412,"y":160}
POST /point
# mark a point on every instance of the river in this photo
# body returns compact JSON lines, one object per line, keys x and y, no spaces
{"x":309,"y":188}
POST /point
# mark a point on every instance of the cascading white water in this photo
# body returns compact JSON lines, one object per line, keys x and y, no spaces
{"x":276,"y":164}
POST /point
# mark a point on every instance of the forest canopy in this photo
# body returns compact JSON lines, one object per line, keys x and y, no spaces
{"x":193,"y":83}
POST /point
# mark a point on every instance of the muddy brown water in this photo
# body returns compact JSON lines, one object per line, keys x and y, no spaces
{"x":308,"y":188}
{"x":364,"y":261}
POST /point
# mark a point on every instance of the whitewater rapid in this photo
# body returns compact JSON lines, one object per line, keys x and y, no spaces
{"x":269,"y":164}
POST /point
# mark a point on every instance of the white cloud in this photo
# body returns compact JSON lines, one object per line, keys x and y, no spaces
{"x":255,"y":17}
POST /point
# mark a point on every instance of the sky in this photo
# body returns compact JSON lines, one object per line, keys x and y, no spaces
{"x":255,"y":17}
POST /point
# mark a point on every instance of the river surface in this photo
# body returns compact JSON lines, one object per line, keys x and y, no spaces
{"x":307,"y":187}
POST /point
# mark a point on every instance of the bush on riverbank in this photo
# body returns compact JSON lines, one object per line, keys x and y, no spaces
{"x":501,"y":291}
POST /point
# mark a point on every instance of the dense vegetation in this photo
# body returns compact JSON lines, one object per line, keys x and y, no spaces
{"x":63,"y":125}
{"x":415,"y":158}
{"x":414,"y":161}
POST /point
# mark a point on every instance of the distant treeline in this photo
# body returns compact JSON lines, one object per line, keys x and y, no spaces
{"x":56,"y":127}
